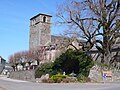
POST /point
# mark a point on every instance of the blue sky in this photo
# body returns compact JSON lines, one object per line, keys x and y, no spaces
{"x":14,"y":22}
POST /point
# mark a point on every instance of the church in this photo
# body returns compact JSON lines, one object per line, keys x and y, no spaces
{"x":40,"y":36}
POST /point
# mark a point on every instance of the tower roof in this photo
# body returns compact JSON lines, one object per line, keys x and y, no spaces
{"x":39,"y":15}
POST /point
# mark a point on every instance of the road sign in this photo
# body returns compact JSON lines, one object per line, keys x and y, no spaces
{"x":107,"y":74}
{"x":104,"y":75}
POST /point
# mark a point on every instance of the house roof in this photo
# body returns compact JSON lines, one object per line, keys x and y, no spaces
{"x":2,"y":58}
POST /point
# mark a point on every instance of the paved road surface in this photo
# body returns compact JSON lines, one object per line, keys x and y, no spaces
{"x":9,"y":84}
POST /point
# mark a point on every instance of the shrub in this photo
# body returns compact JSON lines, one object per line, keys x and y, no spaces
{"x":73,"y":61}
{"x":58,"y":78}
{"x":66,"y":80}
{"x":70,"y":79}
{"x":81,"y":78}
{"x":51,"y":81}
{"x":69,"y":62}
{"x":44,"y":69}
{"x":44,"y":80}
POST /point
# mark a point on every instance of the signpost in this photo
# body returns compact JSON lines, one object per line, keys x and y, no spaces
{"x":107,"y":74}
{"x":104,"y":75}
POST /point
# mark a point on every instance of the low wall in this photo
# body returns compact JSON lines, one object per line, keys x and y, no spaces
{"x":1,"y":68}
{"x":28,"y":75}
{"x":96,"y":75}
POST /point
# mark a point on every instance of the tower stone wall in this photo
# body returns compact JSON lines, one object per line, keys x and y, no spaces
{"x":40,"y":30}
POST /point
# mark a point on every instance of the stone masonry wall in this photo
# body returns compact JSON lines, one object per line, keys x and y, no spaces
{"x":40,"y":31}
{"x":96,"y":75}
{"x":28,"y":75}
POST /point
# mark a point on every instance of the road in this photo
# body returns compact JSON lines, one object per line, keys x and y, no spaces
{"x":9,"y":84}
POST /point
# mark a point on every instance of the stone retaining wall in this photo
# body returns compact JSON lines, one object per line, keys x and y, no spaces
{"x":96,"y":75}
{"x":28,"y":75}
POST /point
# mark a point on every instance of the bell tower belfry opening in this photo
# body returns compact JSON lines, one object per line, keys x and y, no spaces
{"x":40,"y":30}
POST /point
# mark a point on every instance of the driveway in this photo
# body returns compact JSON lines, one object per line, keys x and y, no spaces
{"x":11,"y":84}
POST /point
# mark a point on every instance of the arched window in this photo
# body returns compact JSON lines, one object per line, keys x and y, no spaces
{"x":44,"y":19}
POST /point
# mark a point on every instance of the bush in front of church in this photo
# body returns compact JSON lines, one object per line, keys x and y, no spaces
{"x":44,"y":69}
{"x":72,"y":61}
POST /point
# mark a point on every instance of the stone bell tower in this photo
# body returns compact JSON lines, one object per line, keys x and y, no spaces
{"x":40,"y":30}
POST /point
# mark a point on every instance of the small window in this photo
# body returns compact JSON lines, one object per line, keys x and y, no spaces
{"x":44,"y":19}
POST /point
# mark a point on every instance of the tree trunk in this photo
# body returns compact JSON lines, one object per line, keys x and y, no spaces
{"x":106,"y":57}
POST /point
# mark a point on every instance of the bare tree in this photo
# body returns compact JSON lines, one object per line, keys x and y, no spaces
{"x":39,"y":53}
{"x":96,"y":21}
